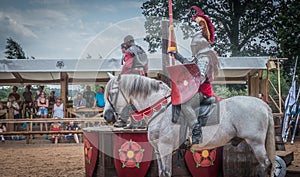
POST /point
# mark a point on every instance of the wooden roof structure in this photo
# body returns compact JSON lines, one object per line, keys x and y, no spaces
{"x":37,"y":71}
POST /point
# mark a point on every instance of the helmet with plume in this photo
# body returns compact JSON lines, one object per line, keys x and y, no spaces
{"x":206,"y":24}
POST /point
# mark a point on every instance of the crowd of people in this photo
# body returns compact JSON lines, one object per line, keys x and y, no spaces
{"x":40,"y":105}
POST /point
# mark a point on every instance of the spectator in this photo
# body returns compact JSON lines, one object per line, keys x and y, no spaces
{"x":43,"y":104}
{"x":99,"y":98}
{"x":58,"y":109}
{"x":39,"y":92}
{"x":72,"y":126}
{"x":56,"y":126}
{"x":15,"y":94}
{"x":27,"y":100}
{"x":13,"y":104}
{"x":52,"y":98}
{"x":262,"y":97}
{"x":2,"y":116}
{"x":89,"y":96}
{"x":79,"y":102}
{"x":2,"y":129}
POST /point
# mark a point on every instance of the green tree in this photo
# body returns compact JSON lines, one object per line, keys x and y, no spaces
{"x":287,"y":30}
{"x":14,"y":50}
{"x":243,"y":28}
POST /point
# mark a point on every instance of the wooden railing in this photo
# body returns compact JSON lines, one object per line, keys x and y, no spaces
{"x":29,"y":128}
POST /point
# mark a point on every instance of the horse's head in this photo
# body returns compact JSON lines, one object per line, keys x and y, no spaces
{"x":115,"y":99}
{"x":126,"y":93}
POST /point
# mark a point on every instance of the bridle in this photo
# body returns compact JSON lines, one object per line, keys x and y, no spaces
{"x":132,"y":107}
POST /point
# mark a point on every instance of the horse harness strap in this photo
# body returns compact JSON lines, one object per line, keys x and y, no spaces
{"x":148,"y":112}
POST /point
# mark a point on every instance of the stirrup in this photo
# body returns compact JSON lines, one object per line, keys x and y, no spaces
{"x":188,"y":142}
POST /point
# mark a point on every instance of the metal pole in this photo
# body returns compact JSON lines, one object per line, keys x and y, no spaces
{"x":279,"y":85}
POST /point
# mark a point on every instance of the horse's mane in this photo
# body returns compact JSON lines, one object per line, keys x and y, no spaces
{"x":139,"y":86}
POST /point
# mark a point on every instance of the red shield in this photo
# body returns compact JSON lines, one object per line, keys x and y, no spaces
{"x":185,"y":80}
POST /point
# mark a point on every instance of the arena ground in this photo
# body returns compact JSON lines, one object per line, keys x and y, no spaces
{"x":41,"y":158}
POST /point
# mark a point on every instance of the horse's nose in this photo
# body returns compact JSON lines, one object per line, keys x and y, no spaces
{"x":109,"y":116}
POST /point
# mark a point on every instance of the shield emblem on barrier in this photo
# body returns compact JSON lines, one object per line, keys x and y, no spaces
{"x":185,"y":82}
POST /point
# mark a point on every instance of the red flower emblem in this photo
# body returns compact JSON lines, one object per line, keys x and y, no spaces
{"x":204,"y":158}
{"x":87,"y":151}
{"x":131,"y":154}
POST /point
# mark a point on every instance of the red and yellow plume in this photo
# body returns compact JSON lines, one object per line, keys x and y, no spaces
{"x":206,"y":24}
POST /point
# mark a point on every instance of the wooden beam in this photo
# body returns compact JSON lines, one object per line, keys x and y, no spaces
{"x":18,"y":77}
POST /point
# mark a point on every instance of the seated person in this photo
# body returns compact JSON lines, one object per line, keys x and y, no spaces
{"x":2,"y":129}
{"x":55,"y":126}
{"x":72,"y":126}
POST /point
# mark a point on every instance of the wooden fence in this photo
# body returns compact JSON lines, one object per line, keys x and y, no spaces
{"x":29,"y":127}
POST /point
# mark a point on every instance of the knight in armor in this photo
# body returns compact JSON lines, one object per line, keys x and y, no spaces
{"x":134,"y":61}
{"x":207,"y":61}
{"x":135,"y":58}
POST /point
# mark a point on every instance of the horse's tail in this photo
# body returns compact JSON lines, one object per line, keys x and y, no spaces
{"x":270,"y":140}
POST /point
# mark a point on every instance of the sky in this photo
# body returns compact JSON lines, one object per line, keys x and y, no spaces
{"x":71,"y":29}
{"x":51,"y":29}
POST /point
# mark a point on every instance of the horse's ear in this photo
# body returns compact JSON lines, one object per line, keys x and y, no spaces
{"x":110,"y":75}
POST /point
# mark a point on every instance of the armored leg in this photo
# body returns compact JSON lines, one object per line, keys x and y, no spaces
{"x":197,"y":133}
{"x":175,"y":113}
{"x":205,"y":106}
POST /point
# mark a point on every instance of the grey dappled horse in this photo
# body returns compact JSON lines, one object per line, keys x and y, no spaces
{"x":241,"y":118}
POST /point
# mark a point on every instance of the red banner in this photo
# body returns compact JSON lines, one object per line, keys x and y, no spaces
{"x":132,"y":154}
{"x":205,"y":163}
{"x":90,"y":152}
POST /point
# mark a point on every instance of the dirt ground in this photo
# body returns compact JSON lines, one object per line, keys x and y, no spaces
{"x":64,"y":160}
{"x":41,"y":160}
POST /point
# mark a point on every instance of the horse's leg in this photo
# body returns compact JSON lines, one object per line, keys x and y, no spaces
{"x":159,"y":163}
{"x":166,"y":159}
{"x":261,"y":156}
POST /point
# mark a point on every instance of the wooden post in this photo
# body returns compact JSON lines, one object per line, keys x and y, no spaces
{"x":64,"y":90}
{"x":249,"y":85}
{"x":10,"y":127}
{"x":164,"y":47}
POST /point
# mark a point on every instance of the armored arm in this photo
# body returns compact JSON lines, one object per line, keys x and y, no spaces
{"x":203,"y":64}
{"x":180,"y":58}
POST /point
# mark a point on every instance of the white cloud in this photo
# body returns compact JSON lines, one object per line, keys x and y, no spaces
{"x":10,"y":24}
{"x":131,"y":4}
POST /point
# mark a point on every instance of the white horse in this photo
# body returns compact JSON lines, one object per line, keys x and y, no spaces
{"x":241,"y":118}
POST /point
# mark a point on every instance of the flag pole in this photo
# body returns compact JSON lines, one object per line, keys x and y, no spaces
{"x":287,"y":109}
